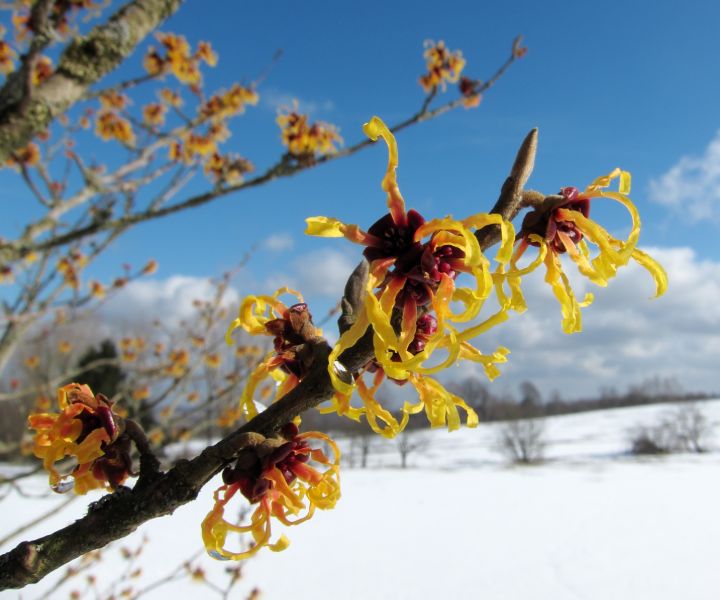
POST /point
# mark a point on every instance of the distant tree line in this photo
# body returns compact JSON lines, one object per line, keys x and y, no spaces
{"x":531,"y":403}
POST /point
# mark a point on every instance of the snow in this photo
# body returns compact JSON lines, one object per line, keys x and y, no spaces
{"x":589,"y":523}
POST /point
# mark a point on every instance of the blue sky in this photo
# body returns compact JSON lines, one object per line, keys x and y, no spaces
{"x":630,"y":84}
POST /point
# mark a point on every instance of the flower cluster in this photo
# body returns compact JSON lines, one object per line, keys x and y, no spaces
{"x":443,"y":66}
{"x":292,"y":330}
{"x":42,"y":69}
{"x":109,"y":124}
{"x":7,"y":55}
{"x":70,"y":266}
{"x":61,"y":15}
{"x":305,"y":140}
{"x":230,"y":103}
{"x":171,"y":98}
{"x":178,"y":365}
{"x":561,"y":224}
{"x":28,"y":156}
{"x":154,"y":114}
{"x":32,"y":362}
{"x":469,"y":92}
{"x":88,"y":430}
{"x":193,"y":144}
{"x":179,"y":59}
{"x":278,"y":476}
{"x":414,"y":265}
{"x":227,"y":169}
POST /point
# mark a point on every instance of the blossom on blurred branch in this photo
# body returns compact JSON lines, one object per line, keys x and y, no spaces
{"x":443,"y":66}
{"x":305,"y":140}
{"x":88,"y":430}
{"x":292,"y":330}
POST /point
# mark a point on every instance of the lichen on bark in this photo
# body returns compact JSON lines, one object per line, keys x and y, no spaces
{"x":84,"y":62}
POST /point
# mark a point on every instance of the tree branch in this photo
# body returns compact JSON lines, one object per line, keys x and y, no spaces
{"x":119,"y":514}
{"x":285,"y":167}
{"x":84,"y":62}
{"x":511,"y":195}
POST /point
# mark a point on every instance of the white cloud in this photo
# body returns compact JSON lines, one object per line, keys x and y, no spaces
{"x":169,"y":300}
{"x":279,"y":242}
{"x":626,"y":337}
{"x":278,"y":100}
{"x":692,"y":185}
{"x":320,"y":274}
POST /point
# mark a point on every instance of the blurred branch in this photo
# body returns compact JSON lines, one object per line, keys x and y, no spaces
{"x":25,"y":112}
{"x":286,"y":166}
{"x":159,"y":493}
{"x":53,"y":511}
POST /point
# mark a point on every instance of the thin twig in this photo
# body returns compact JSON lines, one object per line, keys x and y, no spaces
{"x":46,"y":515}
{"x":281,"y":169}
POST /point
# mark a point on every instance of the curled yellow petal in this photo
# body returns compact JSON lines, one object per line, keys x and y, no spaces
{"x":469,"y":352}
{"x":507,"y":233}
{"x":256,"y":311}
{"x":260,"y":373}
{"x":581,"y":260}
{"x":374,"y":129}
{"x":499,"y":317}
{"x":654,"y":268}
{"x":340,"y":405}
{"x":604,"y":181}
{"x":347,"y":340}
{"x":571,"y":317}
{"x":441,"y":405}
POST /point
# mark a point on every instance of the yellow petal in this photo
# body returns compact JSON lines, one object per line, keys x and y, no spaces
{"x":260,"y":373}
{"x":654,"y":268}
{"x":374,"y":129}
{"x":375,"y":411}
{"x":572,"y":319}
{"x":581,"y":260}
{"x":469,"y":352}
{"x":499,"y":317}
{"x":347,"y":340}
{"x":441,"y":405}
{"x":282,"y":543}
{"x":324,"y":227}
{"x":507,"y":233}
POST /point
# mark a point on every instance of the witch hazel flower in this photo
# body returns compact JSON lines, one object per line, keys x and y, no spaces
{"x":88,"y":430}
{"x":561,"y":225}
{"x":305,"y":140}
{"x":285,"y":478}
{"x":414,"y":265}
{"x":292,"y":330}
{"x":443,"y":66}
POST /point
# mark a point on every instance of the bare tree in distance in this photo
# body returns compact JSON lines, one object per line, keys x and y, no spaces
{"x":361,"y":444}
{"x":522,"y":441}
{"x":686,"y":429}
{"x":692,"y":427}
{"x":409,"y":442}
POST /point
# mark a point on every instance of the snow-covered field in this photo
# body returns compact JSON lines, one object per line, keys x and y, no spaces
{"x":590,"y":523}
